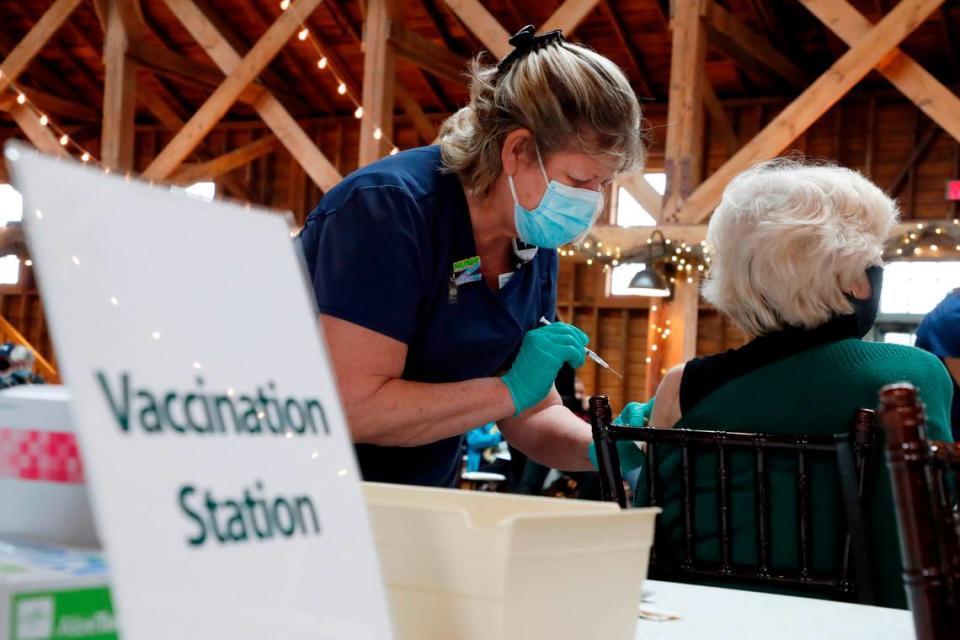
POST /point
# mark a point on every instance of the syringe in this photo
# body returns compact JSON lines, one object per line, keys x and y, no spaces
{"x":590,"y":353}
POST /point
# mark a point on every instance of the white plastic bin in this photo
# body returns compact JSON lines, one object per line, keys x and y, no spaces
{"x":462,"y":565}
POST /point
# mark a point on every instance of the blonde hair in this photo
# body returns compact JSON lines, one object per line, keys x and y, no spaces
{"x":568,"y":96}
{"x":790,"y":240}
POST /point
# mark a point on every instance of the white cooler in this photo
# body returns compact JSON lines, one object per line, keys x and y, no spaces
{"x":463,"y":565}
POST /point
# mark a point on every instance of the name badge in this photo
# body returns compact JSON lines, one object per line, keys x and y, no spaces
{"x":467,"y":270}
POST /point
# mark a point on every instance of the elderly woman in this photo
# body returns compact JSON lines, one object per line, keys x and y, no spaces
{"x":797,"y":266}
{"x":432,"y":267}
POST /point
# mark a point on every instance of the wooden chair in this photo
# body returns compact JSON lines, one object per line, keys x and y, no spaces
{"x":854,"y":453}
{"x":926,"y":480}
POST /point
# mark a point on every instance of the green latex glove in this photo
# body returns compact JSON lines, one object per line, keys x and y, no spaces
{"x":542,"y":353}
{"x":633,"y":415}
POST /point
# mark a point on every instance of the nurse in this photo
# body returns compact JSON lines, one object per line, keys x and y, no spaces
{"x":432,"y":267}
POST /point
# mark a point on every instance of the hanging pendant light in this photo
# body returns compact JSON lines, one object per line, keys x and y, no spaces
{"x":648,"y":282}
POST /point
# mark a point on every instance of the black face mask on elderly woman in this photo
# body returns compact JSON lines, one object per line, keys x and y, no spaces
{"x":866,"y":310}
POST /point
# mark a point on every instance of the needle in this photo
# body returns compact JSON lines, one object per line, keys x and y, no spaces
{"x":590,"y":354}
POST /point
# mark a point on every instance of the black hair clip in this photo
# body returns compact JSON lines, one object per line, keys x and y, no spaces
{"x":525,"y":41}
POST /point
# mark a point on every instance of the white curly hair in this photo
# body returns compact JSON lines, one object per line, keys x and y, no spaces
{"x":790,"y":238}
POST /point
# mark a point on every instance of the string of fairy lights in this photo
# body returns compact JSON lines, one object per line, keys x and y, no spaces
{"x":305,"y":35}
{"x":684,"y":258}
{"x":58,"y":131}
{"x":660,"y":334}
{"x":927,"y":240}
{"x":74,"y":147}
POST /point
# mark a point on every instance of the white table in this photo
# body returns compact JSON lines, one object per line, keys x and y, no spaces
{"x":709,"y":612}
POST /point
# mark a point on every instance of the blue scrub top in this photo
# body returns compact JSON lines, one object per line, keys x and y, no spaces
{"x":380,"y":249}
{"x":939,"y":333}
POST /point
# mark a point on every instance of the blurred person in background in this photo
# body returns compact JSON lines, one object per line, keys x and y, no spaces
{"x":939,"y":333}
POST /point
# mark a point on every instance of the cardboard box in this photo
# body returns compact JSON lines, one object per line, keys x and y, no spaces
{"x":53,"y":593}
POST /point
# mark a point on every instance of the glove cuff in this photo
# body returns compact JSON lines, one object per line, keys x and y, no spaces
{"x":517,"y":404}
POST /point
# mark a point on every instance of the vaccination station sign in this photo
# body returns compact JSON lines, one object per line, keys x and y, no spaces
{"x":224,"y":484}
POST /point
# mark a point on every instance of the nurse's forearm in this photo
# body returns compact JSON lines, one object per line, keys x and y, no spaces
{"x":551,"y":435}
{"x":401,"y":413}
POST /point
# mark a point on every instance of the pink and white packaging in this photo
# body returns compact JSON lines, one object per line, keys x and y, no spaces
{"x":41,"y":473}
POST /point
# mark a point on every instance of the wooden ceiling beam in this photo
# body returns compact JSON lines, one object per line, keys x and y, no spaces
{"x":163,"y":83}
{"x":338,"y":66}
{"x":130,"y":12}
{"x":270,"y":78}
{"x":274,"y":114}
{"x":642,"y":191}
{"x":633,"y":53}
{"x":67,"y":64}
{"x":481,"y":22}
{"x":569,"y":15}
{"x":436,"y":17}
{"x":240,"y":77}
{"x":424,"y":126}
{"x":632,"y":240}
{"x":169,"y":64}
{"x":916,"y":154}
{"x":342,"y":19}
{"x":749,"y":49}
{"x":422,"y":52}
{"x":937,"y":101}
{"x":766,"y":15}
{"x":51,"y":104}
{"x":797,"y":117}
{"x":683,"y":152}
{"x":164,"y":109}
{"x":301,"y":71}
{"x":217,"y":167}
{"x":378,"y":81}
{"x":41,"y":72}
{"x":41,"y":136}
{"x":26,"y":50}
{"x":446,"y":104}
{"x":718,"y":117}
{"x":120,"y":93}
{"x":519,"y":19}
{"x":164,"y":106}
{"x":663,"y":12}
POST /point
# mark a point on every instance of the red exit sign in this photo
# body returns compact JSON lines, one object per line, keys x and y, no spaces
{"x":953,"y":190}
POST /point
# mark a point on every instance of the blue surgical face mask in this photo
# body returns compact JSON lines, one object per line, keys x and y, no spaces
{"x":564,"y":213}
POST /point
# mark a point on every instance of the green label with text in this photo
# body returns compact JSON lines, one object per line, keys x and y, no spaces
{"x":63,"y":615}
{"x":463,"y":265}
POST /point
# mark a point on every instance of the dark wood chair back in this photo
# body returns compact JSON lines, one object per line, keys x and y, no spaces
{"x":926,"y":480}
{"x":855,"y":453}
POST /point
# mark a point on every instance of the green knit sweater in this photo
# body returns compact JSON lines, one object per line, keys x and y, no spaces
{"x":816,"y":391}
